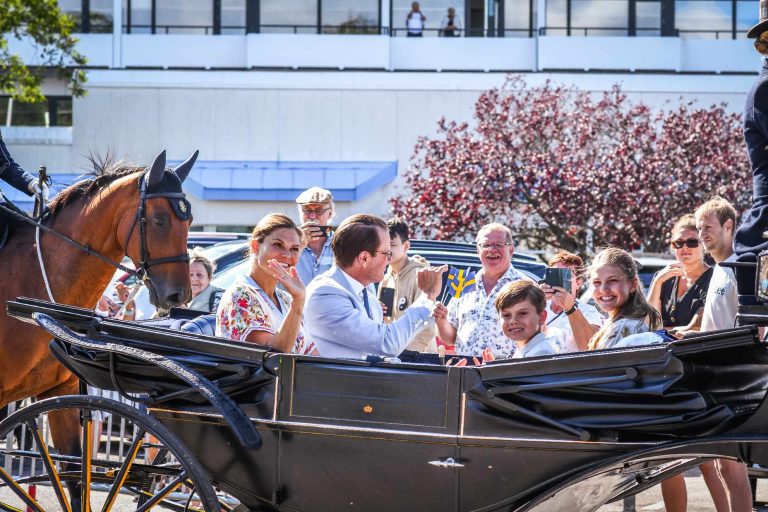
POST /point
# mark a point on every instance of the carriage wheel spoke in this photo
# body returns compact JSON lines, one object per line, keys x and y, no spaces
{"x":8,"y":508}
{"x":20,"y":492}
{"x":85,"y":464}
{"x":130,"y":457}
{"x":165,"y":491}
{"x":53,"y":475}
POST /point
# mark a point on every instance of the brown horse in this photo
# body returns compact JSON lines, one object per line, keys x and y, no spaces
{"x":123,"y":210}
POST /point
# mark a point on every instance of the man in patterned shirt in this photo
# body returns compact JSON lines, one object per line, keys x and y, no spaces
{"x":471,"y":322}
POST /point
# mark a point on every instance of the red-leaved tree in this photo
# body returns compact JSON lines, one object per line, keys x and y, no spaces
{"x":568,"y":169}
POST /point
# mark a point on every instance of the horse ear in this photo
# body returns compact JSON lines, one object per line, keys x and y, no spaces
{"x":155,"y":174}
{"x":182,"y":171}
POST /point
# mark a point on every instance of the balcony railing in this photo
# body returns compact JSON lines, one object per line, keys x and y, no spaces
{"x":640,"y":32}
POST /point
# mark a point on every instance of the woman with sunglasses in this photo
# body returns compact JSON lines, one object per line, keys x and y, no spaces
{"x":678,"y":291}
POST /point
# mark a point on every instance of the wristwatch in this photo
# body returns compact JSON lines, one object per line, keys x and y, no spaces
{"x":573,"y":309}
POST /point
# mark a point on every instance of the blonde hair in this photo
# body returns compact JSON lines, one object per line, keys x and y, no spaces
{"x":687,"y":221}
{"x":636,"y":306}
{"x":721,"y":207}
{"x":197,"y":255}
{"x":495,"y":226}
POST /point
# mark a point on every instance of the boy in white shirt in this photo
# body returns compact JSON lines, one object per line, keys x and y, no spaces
{"x":522,"y":312}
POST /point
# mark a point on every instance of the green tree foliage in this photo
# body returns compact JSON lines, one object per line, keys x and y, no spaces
{"x":49,"y":32}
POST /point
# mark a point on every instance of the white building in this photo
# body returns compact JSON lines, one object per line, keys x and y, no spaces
{"x":278,"y":96}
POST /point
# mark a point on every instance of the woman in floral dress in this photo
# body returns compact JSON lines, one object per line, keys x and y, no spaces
{"x":253,"y":308}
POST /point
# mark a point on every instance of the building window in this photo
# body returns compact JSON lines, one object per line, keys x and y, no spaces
{"x":519,"y":18}
{"x":184,"y":17}
{"x":557,"y":18}
{"x":648,"y":14}
{"x":233,"y":16}
{"x":54,"y":111}
{"x":434,"y":11}
{"x":289,"y":16}
{"x":599,"y":17}
{"x":100,"y":16}
{"x":746,"y":17}
{"x":137,"y":16}
{"x":704,"y":18}
{"x":350,"y":16}
{"x":96,"y":18}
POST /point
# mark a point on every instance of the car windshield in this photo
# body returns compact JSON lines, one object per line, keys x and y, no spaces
{"x":228,"y":276}
{"x":217,"y":250}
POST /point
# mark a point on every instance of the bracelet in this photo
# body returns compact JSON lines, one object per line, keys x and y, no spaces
{"x":573,"y":309}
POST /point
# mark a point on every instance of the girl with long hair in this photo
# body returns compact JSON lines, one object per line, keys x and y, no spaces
{"x":617,"y":292}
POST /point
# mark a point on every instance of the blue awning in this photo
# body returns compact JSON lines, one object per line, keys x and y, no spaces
{"x":260,"y":181}
{"x":284,"y":181}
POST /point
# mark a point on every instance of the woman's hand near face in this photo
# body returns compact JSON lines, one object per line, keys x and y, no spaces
{"x":289,"y":278}
{"x":672,"y":270}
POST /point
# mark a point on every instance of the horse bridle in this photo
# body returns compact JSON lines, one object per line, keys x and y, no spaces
{"x":141,"y":219}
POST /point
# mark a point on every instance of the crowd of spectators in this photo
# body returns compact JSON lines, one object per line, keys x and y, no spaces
{"x":355,"y":291}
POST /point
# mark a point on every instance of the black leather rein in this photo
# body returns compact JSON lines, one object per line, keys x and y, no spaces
{"x":140,"y":219}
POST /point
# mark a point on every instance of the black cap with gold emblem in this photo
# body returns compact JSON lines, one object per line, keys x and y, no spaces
{"x":762,"y":26}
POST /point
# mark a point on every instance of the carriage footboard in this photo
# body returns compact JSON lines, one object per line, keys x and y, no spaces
{"x":235,"y":417}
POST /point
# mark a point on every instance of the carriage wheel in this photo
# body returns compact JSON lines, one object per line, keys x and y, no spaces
{"x":129,"y":461}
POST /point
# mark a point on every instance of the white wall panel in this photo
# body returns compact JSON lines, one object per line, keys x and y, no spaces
{"x":189,"y":51}
{"x":729,"y":55}
{"x":318,"y":51}
{"x":458,"y":53}
{"x":619,"y":53}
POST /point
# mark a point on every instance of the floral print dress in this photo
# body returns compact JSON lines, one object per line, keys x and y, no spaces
{"x":245,"y":308}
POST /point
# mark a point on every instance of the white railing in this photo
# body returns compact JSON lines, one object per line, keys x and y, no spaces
{"x":381,"y":52}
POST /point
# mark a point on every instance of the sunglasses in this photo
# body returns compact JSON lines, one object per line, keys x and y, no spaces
{"x":691,"y":243}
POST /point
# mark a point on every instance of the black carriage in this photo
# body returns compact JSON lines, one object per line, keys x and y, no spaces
{"x":228,"y":426}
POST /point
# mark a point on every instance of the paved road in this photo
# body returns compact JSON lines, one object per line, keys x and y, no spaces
{"x":698,"y":496}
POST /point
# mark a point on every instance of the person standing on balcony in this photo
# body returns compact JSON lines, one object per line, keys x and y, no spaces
{"x":451,"y":24}
{"x":316,"y":211}
{"x":415,"y":21}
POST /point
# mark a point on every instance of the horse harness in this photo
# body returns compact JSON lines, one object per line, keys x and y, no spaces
{"x":181,"y":208}
{"x":180,"y":205}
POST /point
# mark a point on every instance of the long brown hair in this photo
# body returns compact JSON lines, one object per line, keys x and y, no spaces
{"x":636,"y":306}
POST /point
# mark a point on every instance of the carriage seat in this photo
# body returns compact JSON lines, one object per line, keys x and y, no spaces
{"x":203,"y":324}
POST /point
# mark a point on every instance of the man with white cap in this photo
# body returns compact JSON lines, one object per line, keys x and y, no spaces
{"x":316,"y":211}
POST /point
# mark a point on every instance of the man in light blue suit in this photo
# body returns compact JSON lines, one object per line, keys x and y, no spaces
{"x":342,"y":316}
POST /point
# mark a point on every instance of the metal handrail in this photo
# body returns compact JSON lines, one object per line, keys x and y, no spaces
{"x":464,"y":32}
{"x":585,"y":31}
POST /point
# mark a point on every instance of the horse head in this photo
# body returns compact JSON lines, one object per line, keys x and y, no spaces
{"x":158,"y":241}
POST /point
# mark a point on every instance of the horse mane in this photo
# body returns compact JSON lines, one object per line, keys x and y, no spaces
{"x":105,"y":171}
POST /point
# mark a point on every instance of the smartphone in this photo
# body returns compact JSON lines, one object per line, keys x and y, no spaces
{"x":558,"y":277}
{"x":387,"y":297}
{"x":326,"y":231}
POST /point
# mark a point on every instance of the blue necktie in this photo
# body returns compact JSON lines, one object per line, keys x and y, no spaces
{"x":366,"y":304}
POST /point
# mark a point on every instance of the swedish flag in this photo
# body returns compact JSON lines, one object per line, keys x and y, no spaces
{"x":464,"y":281}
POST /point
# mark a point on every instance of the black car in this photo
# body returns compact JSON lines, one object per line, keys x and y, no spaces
{"x":232,"y":260}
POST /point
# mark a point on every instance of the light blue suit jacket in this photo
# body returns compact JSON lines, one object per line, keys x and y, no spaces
{"x":336,"y":320}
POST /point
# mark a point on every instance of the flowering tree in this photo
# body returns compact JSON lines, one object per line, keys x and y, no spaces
{"x":567,"y":169}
